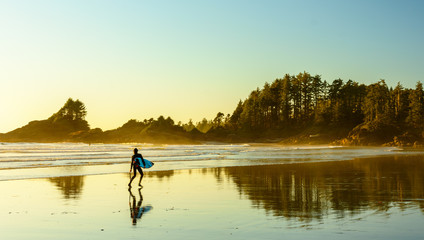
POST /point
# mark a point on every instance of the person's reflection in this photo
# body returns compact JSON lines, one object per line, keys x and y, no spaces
{"x":135,"y":208}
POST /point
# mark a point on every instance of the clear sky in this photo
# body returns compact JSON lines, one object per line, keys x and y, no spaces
{"x":191,"y":59}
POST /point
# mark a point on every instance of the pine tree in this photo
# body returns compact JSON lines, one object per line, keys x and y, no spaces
{"x":376,"y":104}
{"x":416,"y":107}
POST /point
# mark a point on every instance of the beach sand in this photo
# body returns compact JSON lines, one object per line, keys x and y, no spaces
{"x":378,"y":198}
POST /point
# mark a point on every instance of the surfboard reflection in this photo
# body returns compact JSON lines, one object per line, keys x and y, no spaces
{"x":136,"y":210}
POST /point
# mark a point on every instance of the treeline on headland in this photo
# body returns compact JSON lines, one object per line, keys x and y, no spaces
{"x":296,"y":109}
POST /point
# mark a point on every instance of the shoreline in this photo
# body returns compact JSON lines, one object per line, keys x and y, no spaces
{"x":289,"y":141}
{"x":87,"y":168}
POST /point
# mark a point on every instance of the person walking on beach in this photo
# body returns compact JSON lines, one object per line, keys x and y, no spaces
{"x":135,"y":163}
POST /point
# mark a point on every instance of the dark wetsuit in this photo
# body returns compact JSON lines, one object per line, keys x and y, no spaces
{"x":135,"y":166}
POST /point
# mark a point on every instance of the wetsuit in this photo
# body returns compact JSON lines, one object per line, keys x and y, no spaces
{"x":135,"y":165}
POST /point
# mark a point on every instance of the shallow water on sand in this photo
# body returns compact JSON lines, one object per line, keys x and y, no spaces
{"x":39,"y":160}
{"x":372,"y":198}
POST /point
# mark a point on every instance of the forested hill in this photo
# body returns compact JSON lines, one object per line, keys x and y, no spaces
{"x":69,"y":125}
{"x":298,"y":109}
{"x":304,"y":108}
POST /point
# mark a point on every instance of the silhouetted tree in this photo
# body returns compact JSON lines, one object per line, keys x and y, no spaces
{"x":235,"y":117}
{"x":416,"y":107}
{"x":218,"y":119}
{"x":286,"y":99}
{"x":204,"y":125}
{"x":72,"y":110}
{"x":189,"y":126}
{"x":376,"y":102}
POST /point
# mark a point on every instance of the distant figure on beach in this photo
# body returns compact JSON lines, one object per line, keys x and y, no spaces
{"x":136,"y":165}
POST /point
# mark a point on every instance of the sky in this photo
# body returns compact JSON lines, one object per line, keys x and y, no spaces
{"x":192,"y":59}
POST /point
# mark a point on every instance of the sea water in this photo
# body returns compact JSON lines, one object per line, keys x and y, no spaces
{"x":245,"y":191}
{"x":36,"y":160}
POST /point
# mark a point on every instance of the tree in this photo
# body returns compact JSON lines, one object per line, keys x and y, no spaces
{"x":416,"y":107}
{"x":70,"y":118}
{"x":235,"y":117}
{"x":286,"y":99}
{"x":400,"y":100}
{"x":204,"y":125}
{"x":305,"y":84}
{"x":265,"y":105}
{"x":350,"y":103}
{"x":162,"y":123}
{"x":335,"y":96}
{"x":218,"y":119}
{"x":296,"y":99}
{"x":72,"y":110}
{"x":316,"y":89}
{"x":250,"y":117}
{"x":189,"y":126}
{"x":376,"y":102}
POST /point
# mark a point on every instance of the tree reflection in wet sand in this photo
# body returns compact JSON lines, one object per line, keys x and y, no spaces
{"x":311,"y":191}
{"x":71,"y":186}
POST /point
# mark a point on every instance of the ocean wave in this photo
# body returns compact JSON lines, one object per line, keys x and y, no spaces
{"x":24,"y":155}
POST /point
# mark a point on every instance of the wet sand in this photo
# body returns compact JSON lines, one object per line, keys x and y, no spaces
{"x":378,"y":198}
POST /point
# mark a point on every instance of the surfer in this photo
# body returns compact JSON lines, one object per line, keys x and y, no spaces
{"x":136,"y":165}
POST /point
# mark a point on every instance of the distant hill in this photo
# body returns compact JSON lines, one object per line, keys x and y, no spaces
{"x":59,"y":127}
{"x":152,"y":131}
{"x":298,"y":109}
{"x":69,"y":125}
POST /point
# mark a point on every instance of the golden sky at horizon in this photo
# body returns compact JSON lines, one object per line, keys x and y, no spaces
{"x":189,"y":59}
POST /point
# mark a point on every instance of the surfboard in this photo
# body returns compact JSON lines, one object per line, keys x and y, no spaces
{"x":144,"y":210}
{"x":144,"y":164}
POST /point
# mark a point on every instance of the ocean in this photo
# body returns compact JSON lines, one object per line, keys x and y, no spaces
{"x":211,"y":191}
{"x":39,"y":160}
